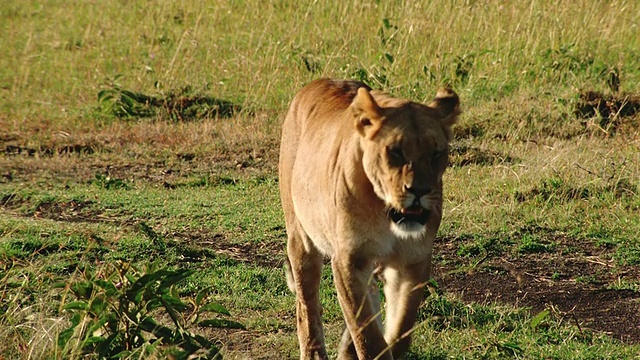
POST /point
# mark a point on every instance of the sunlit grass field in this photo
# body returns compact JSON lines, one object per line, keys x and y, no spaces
{"x":136,"y":133}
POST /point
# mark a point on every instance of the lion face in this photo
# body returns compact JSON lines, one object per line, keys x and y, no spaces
{"x":405,"y":153}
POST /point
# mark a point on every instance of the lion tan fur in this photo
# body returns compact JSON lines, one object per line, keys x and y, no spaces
{"x":361,"y":183}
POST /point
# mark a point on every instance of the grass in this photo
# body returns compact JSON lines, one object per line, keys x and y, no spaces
{"x":149,"y":132}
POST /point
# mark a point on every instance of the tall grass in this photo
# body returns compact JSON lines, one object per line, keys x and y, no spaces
{"x":58,"y":55}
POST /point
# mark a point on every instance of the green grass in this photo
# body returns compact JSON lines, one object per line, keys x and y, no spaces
{"x":148,"y":131}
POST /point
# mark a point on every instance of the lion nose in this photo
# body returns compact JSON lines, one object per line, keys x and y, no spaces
{"x":418,"y":192}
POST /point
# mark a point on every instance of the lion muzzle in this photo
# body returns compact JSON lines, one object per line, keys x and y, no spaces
{"x":412,"y":214}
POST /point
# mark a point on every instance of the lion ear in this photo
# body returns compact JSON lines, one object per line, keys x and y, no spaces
{"x":448,"y":105}
{"x":367,"y":113}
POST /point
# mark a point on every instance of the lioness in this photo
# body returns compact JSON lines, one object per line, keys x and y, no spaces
{"x":361,"y":182}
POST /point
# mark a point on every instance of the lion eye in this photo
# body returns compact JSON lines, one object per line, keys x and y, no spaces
{"x":396,"y":155}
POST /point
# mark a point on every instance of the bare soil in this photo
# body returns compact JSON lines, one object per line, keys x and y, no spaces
{"x":580,"y":286}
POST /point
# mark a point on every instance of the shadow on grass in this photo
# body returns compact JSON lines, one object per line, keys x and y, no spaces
{"x":177,"y":106}
{"x":609,"y":109}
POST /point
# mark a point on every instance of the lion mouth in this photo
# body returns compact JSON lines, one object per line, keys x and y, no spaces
{"x":414,"y":213}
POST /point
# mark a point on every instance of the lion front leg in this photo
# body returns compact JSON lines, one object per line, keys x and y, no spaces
{"x":352,"y":277}
{"x":346,"y":348}
{"x":403,"y":289}
{"x":305,"y":269}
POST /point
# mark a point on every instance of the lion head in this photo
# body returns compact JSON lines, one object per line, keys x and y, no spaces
{"x":405,"y":153}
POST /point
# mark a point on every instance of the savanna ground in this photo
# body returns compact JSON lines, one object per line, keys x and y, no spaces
{"x":134,"y":132}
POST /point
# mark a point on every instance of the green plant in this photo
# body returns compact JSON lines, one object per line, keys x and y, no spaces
{"x":564,"y":61}
{"x":119,"y":102}
{"x":624,"y":285}
{"x":481,"y":245}
{"x":533,"y":244}
{"x":179,"y":105}
{"x":378,"y":74}
{"x":115,"y":314}
{"x":108,"y":182}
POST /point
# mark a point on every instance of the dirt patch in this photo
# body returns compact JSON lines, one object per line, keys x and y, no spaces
{"x":11,"y":201}
{"x":593,"y":103}
{"x":580,"y":285}
{"x":264,"y":254}
{"x":559,"y":189}
{"x":468,"y":131}
{"x":610,"y":109}
{"x":76,"y":163}
{"x":69,"y":211}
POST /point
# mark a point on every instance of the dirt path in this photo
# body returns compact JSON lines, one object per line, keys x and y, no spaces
{"x":585,"y":288}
